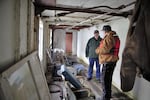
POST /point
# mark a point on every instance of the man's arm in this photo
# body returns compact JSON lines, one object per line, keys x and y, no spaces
{"x":107,"y":45}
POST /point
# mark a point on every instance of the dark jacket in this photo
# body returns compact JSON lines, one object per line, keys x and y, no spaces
{"x":136,"y":54}
{"x":92,"y":44}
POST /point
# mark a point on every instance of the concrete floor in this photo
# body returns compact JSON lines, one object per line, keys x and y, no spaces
{"x":96,"y":88}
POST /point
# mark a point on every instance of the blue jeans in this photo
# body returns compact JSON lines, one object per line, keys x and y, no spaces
{"x":90,"y":69}
{"x":106,"y":78}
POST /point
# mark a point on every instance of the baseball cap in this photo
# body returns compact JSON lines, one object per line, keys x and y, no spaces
{"x":106,"y":28}
{"x":96,"y":31}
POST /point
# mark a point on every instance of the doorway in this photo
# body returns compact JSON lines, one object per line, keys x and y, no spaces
{"x":69,"y":42}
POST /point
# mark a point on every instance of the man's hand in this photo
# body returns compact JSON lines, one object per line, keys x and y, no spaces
{"x":97,"y":50}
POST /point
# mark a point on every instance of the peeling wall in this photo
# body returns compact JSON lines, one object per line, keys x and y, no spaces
{"x":14,"y":31}
{"x":59,"y":40}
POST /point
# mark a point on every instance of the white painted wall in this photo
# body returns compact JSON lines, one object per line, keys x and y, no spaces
{"x":74,"y":45}
{"x":59,"y":40}
{"x":141,"y":89}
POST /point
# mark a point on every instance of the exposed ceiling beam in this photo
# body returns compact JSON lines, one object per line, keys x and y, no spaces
{"x":46,"y":2}
{"x":40,"y":8}
{"x":65,"y":26}
{"x":117,"y":8}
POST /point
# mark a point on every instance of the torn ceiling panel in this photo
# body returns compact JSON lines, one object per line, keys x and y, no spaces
{"x":83,"y":13}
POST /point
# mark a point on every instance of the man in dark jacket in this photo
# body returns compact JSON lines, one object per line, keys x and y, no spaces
{"x":92,"y":44}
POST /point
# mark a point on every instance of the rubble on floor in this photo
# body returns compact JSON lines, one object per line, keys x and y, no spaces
{"x":71,"y":82}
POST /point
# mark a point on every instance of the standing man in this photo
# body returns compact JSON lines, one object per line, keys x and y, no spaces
{"x":108,"y":57}
{"x":91,"y":46}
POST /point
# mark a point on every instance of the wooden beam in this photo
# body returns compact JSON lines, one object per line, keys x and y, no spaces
{"x":65,"y":26}
{"x":40,"y":8}
{"x":46,"y":2}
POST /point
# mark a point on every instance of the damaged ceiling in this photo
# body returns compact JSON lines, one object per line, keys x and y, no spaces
{"x":78,"y":14}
